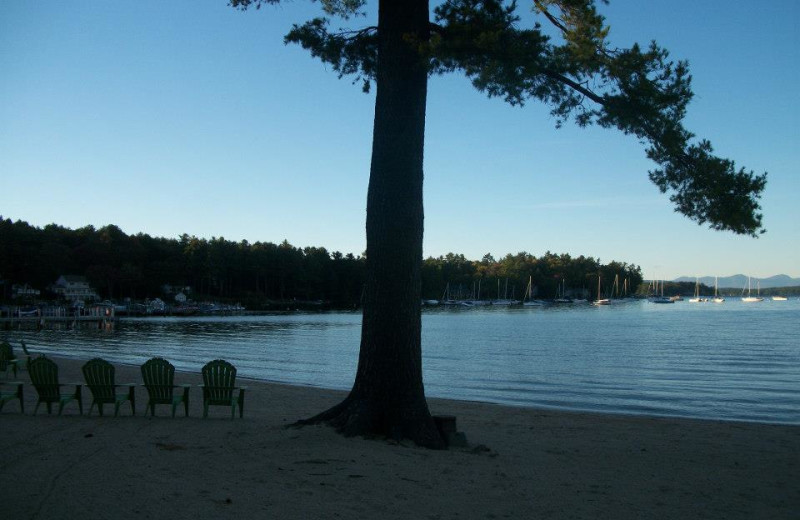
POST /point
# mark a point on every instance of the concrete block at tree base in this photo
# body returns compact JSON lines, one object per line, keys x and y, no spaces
{"x":456,"y":439}
{"x":446,"y":424}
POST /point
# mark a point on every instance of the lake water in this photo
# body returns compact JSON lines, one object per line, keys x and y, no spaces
{"x":730,"y":361}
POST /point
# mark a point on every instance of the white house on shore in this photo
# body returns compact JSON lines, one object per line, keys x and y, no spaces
{"x":74,"y":289}
{"x":24,"y":292}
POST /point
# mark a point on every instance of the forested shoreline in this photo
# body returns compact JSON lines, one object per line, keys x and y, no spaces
{"x":261,"y":275}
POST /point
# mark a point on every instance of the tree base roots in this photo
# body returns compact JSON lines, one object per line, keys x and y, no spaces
{"x":361,"y":417}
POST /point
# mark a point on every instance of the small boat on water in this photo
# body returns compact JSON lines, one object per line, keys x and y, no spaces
{"x":779,"y":298}
{"x":749,"y":298}
{"x":697,"y":298}
{"x":660,"y":299}
{"x":528,"y":300}
{"x":717,"y":298}
{"x":505,"y":300}
{"x":561,"y":293}
{"x":599,"y":300}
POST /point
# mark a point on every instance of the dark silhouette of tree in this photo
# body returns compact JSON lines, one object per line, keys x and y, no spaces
{"x":638,"y":91}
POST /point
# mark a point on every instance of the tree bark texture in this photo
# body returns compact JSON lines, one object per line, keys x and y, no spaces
{"x":388,"y":397}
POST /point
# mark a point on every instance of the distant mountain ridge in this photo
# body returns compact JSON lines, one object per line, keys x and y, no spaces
{"x":739,"y":281}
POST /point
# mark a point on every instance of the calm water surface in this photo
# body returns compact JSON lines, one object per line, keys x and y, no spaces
{"x":731,"y":361}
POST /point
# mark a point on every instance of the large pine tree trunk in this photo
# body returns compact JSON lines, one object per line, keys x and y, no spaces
{"x":388,"y":397}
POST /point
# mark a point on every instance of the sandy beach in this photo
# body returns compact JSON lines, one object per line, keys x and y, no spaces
{"x":520,"y":463}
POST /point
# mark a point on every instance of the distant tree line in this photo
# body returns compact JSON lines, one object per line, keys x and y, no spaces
{"x":509,"y":277}
{"x":263,"y":274}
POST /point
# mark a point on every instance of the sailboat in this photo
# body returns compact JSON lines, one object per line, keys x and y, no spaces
{"x":504,"y":300}
{"x":476,"y":297}
{"x":447,"y":299}
{"x":528,"y":301}
{"x":717,"y":299}
{"x":697,"y":298}
{"x":560,"y":298}
{"x":749,"y":298}
{"x":599,"y":300}
{"x":613,"y":294}
{"x":660,"y":299}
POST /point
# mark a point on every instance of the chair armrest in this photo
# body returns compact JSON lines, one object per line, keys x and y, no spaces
{"x":76,"y":385}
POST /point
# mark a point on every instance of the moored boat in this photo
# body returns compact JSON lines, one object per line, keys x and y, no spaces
{"x":749,"y":298}
{"x":697,"y":298}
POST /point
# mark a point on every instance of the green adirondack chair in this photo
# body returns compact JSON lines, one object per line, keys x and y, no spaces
{"x":99,"y":375}
{"x":219,"y":385}
{"x":7,"y":359}
{"x":44,"y":376}
{"x":6,"y":395}
{"x":158,"y":375}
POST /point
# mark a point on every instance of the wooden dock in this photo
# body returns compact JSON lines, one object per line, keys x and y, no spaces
{"x":101,"y":317}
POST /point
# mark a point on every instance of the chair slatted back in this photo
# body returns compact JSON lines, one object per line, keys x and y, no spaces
{"x":99,"y":375}
{"x":6,"y":355}
{"x":158,"y":375}
{"x":219,"y":378}
{"x":44,"y":376}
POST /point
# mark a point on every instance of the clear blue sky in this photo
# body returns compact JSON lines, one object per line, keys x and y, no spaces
{"x":190,"y":117}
